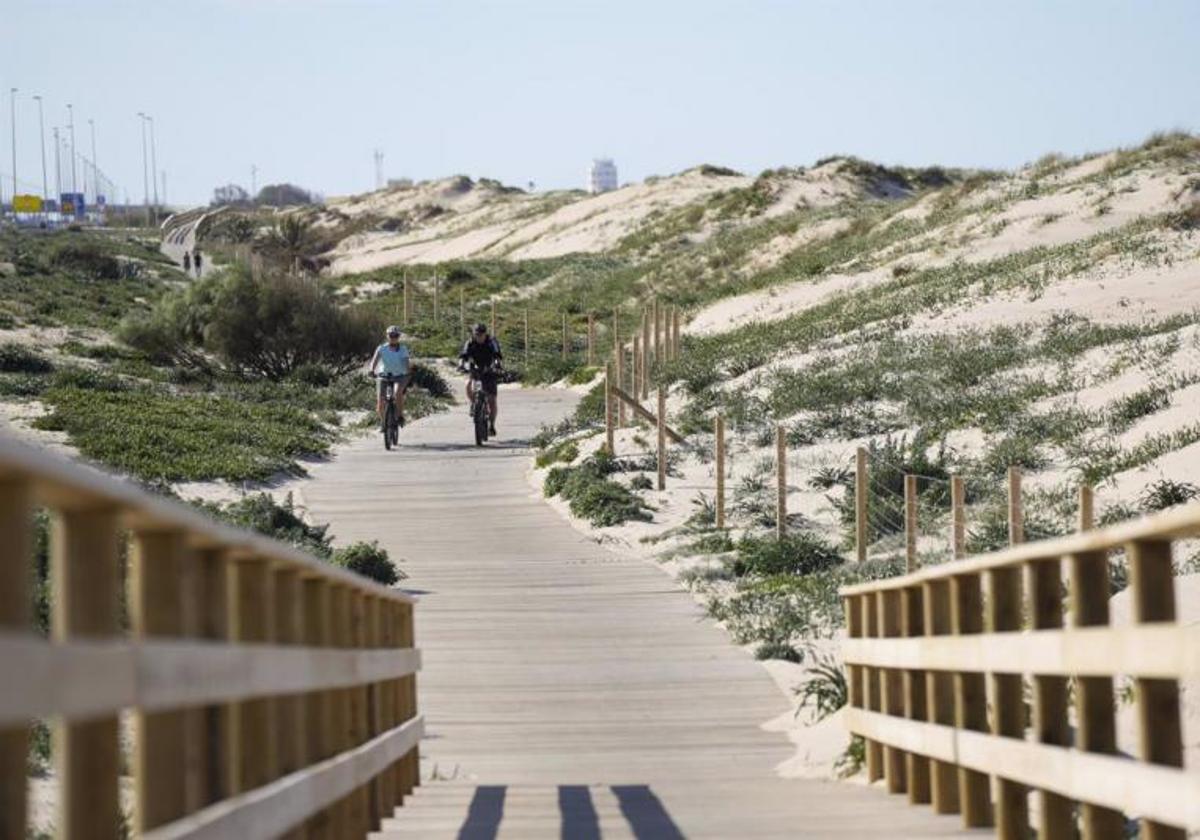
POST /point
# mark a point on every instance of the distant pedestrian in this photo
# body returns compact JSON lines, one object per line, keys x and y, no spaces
{"x":197,"y":259}
{"x":187,"y":261}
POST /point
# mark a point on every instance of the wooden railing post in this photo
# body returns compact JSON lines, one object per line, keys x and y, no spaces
{"x":388,"y":629}
{"x":780,"y":482}
{"x":894,"y":761}
{"x":1087,"y":508}
{"x":662,"y":438}
{"x":874,"y":694}
{"x":156,"y":602}
{"x":360,"y":797}
{"x":910,"y":523}
{"x":411,"y":761}
{"x":1005,"y":609}
{"x":939,"y":695}
{"x":214,"y":759}
{"x":958,"y":519}
{"x":646,"y":361}
{"x":84,"y":574}
{"x":254,"y":744}
{"x":970,"y":698}
{"x":1056,"y":820}
{"x":860,"y":504}
{"x":1159,"y":725}
{"x":16,"y":519}
{"x":372,"y":639}
{"x":916,"y":706}
{"x":320,"y":706}
{"x":1095,"y":704}
{"x":291,"y":726}
{"x":719,"y":434}
{"x":1016,"y":513}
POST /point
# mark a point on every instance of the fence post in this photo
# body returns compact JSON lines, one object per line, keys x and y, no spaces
{"x":780,"y":481}
{"x":1016,"y":516}
{"x":656,"y":332}
{"x":662,"y":438}
{"x":1056,"y":820}
{"x":1005,"y":606}
{"x":970,"y":698}
{"x":406,"y":299}
{"x":860,"y":504}
{"x":958,"y":523}
{"x":939,"y":695}
{"x":1087,"y":508}
{"x":591,"y":340}
{"x":84,"y":574}
{"x":646,"y":353}
{"x":636,"y":384}
{"x":16,"y":519}
{"x":719,"y":431}
{"x":619,"y":361}
{"x":609,"y":398}
{"x":910,"y":523}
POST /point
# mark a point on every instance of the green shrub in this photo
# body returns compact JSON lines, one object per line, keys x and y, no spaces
{"x":1126,"y":410}
{"x":1165,"y":493}
{"x":431,"y":380}
{"x":778,"y":650}
{"x":799,"y":553}
{"x":824,"y":689}
{"x":260,"y":512}
{"x":17,"y":358}
{"x":564,"y":452}
{"x":86,"y":258}
{"x":368,"y":560}
{"x":313,"y":374}
{"x":641,"y":482}
{"x":592,"y":495}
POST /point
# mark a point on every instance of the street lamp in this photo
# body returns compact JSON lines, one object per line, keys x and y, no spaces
{"x":145,"y":177}
{"x":12,"y":99}
{"x":42,"y":131}
{"x":95,"y":165}
{"x":153,"y":167}
{"x":71,"y":127}
{"x":57,"y":166}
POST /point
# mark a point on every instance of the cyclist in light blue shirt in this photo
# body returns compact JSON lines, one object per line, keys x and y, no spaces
{"x":392,"y":358}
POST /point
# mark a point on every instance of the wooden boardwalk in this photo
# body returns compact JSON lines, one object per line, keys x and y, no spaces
{"x":569,"y":691}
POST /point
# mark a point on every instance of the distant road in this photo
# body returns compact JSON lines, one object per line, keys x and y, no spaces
{"x":182,"y":237}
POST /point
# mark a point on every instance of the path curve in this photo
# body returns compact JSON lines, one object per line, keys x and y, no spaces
{"x":569,"y":691}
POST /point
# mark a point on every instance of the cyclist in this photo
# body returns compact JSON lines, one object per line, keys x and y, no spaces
{"x":483,"y":352}
{"x":393,"y":358}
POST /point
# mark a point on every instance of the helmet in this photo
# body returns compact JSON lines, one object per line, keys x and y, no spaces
{"x":393,"y":330}
{"x":480,"y":329}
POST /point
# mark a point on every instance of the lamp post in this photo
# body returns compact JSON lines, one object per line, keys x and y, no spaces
{"x":145,"y":175}
{"x":12,"y":101}
{"x":153,"y":167}
{"x":42,"y":134}
{"x":71,"y":129}
{"x":95,"y":164}
{"x":57,"y":166}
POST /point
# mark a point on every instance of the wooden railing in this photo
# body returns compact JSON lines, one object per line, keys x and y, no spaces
{"x":268,"y":693}
{"x":962,"y":679}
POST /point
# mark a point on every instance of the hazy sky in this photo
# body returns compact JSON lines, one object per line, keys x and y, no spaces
{"x":532,"y":90}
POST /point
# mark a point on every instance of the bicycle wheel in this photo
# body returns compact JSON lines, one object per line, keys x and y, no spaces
{"x":389,"y":422}
{"x":481,"y":422}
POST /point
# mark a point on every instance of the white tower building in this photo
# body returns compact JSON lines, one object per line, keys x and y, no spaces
{"x":602,"y":176}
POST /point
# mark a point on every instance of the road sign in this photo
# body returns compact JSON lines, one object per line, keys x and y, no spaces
{"x":27,"y":204}
{"x":72,"y":204}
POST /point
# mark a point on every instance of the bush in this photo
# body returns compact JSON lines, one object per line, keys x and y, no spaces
{"x":778,"y":650}
{"x":797,"y":554}
{"x":430,"y":380}
{"x":1166,"y":493}
{"x":824,"y":689}
{"x":259,"y":512}
{"x":17,"y":358}
{"x":564,"y":452}
{"x":592,"y":495}
{"x":368,"y":560}
{"x":86,"y":258}
{"x":641,"y":482}
{"x":314,"y":374}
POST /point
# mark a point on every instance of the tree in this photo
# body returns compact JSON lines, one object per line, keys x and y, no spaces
{"x":230,"y":194}
{"x":283,"y":195}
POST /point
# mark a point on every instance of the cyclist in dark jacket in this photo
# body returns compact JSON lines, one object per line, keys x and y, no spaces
{"x":483,"y":352}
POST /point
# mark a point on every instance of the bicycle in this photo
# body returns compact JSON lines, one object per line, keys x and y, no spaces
{"x":392,"y":421}
{"x":481,"y":415}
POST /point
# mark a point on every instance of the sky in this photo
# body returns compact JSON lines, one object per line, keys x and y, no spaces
{"x":532,"y":90}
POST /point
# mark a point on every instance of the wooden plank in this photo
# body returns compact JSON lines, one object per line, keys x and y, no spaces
{"x":1095,"y":706}
{"x":1056,"y":820}
{"x":970,"y":699}
{"x":1166,"y":794}
{"x":387,"y":704}
{"x":254,"y":742}
{"x":1005,"y":613}
{"x":84,"y":573}
{"x":373,"y":639}
{"x":360,"y":797}
{"x":646,"y":415}
{"x":892,"y":690}
{"x":291,"y":728}
{"x":212,"y":568}
{"x":916,"y":707}
{"x":646,"y":360}
{"x":272,"y":810}
{"x":719,"y":459}
{"x":344,"y":822}
{"x":939,"y":695}
{"x":860,"y":504}
{"x":780,"y":481}
{"x":1152,"y":581}
{"x":16,"y":518}
{"x":411,"y":759}
{"x":156,"y":609}
{"x":318,"y":705}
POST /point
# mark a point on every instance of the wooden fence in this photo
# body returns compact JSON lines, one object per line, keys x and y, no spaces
{"x":962,"y":679}
{"x":267,"y":693}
